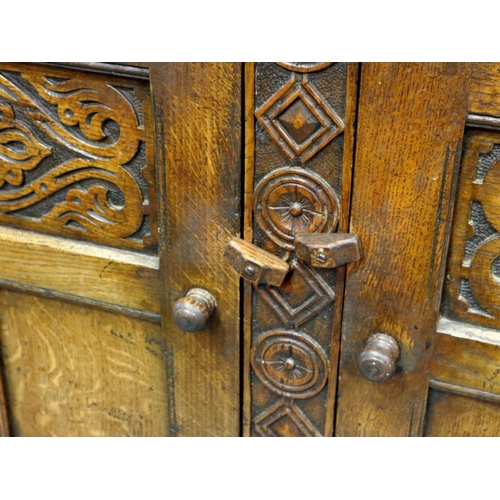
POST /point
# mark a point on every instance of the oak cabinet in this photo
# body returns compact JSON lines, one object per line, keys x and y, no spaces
{"x":361,"y":302}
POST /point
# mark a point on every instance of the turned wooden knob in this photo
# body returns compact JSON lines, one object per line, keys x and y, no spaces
{"x":191,"y":313}
{"x":377,"y":361}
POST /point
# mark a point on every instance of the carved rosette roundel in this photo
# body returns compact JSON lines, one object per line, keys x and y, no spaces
{"x":290,"y":201}
{"x":290,"y":364}
{"x":305,"y":67}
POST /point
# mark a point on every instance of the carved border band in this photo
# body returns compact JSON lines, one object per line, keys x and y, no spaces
{"x":299,"y":162}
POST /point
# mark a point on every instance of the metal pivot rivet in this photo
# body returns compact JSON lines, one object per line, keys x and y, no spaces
{"x":321,"y":257}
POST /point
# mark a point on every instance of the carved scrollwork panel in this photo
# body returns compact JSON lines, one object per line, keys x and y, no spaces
{"x":472,"y":293}
{"x":76,"y":156}
{"x":301,"y":124}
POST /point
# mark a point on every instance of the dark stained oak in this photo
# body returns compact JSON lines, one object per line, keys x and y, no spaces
{"x":298,"y":160}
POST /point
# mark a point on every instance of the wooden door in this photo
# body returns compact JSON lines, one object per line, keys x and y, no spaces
{"x":425,"y":204}
{"x":120,"y":189}
{"x":408,"y":344}
{"x":119,"y":186}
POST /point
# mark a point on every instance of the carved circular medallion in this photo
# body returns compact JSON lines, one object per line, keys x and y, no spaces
{"x":290,"y":201}
{"x":290,"y":364}
{"x":305,"y":67}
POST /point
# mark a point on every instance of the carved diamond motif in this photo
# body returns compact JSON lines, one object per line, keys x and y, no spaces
{"x":294,"y":310}
{"x":285,"y":420}
{"x":299,"y":119}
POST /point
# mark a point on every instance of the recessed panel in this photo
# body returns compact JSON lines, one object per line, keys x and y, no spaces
{"x":472,"y":292}
{"x":453,"y":415}
{"x":76,"y":155}
{"x":72,"y":370}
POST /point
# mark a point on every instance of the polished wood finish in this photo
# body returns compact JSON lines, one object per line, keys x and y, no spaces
{"x":299,"y":140}
{"x":78,"y":371}
{"x":472,"y":289}
{"x":113,"y":386}
{"x":77,"y":156}
{"x":410,"y":123}
{"x":328,"y":250}
{"x":112,"y":276}
{"x":467,"y":365}
{"x":484,"y":96}
{"x":461,"y":416}
{"x":88,"y":339}
{"x":192,"y":312}
{"x":377,"y":360}
{"x":131,"y":69}
{"x":198,"y":120}
{"x":254,"y":264}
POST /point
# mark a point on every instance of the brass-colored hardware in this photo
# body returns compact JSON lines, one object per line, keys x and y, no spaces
{"x":191,"y":313}
{"x":377,"y":361}
{"x":328,"y":249}
{"x":254,"y":264}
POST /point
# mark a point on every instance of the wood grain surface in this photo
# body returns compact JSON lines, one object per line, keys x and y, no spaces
{"x":466,"y":363}
{"x":484,"y":97}
{"x":299,"y":135}
{"x":4,"y":416}
{"x":472,"y":290}
{"x":77,"y":371}
{"x":80,"y":269}
{"x":410,"y":125}
{"x":198,"y":118}
{"x":78,"y":156}
{"x":461,"y":416}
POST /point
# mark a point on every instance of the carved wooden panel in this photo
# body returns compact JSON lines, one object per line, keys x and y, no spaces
{"x":299,"y":135}
{"x":76,"y":155}
{"x":473,"y":280}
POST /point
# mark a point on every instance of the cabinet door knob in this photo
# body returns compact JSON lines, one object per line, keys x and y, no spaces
{"x":377,"y":361}
{"x":254,"y":264}
{"x":328,"y":249}
{"x":191,"y":313}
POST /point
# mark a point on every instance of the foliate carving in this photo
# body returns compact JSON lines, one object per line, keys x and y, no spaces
{"x":290,"y":201}
{"x":299,"y":119}
{"x":73,"y":155}
{"x":20,"y":150}
{"x":300,"y":111}
{"x":290,"y":364}
{"x":305,"y":67}
{"x":473,"y":292}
